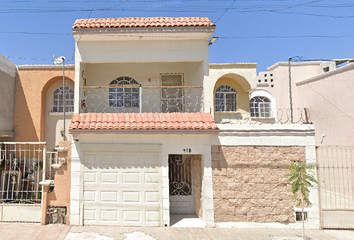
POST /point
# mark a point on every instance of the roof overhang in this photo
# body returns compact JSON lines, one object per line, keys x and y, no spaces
{"x":184,"y":132}
{"x":150,"y":33}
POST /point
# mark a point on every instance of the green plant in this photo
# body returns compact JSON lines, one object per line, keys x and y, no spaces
{"x":301,"y":179}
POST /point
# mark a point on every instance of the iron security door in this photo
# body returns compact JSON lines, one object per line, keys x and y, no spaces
{"x":180,"y":184}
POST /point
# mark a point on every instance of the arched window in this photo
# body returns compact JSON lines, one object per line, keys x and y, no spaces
{"x":124,"y":97}
{"x":58,"y":100}
{"x":225,"y":99}
{"x":260,"y":107}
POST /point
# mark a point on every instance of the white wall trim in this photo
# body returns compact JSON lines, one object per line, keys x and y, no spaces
{"x":267,"y":94}
{"x":120,"y":147}
{"x":297,"y":64}
{"x":326,"y":74}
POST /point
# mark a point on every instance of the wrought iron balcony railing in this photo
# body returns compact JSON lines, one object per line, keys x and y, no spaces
{"x":135,"y":99}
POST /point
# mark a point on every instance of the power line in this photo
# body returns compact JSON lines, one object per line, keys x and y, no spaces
{"x":225,"y":11}
{"x":280,"y":37}
{"x":28,"y":58}
{"x":34,"y":33}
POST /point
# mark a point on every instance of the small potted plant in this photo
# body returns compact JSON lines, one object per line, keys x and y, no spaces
{"x":22,"y":164}
{"x":7,"y":164}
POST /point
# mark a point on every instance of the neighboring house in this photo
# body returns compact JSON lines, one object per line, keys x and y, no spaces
{"x":159,"y":131}
{"x":326,"y":90}
{"x":33,"y":109}
{"x":7,"y":98}
{"x":39,"y":105}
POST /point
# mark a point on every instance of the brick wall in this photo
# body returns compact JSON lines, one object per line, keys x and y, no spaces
{"x":197,"y":184}
{"x":249,"y":183}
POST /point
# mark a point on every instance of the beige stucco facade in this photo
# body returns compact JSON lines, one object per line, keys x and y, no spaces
{"x":32,"y":99}
{"x":327,"y":95}
{"x":239,"y":76}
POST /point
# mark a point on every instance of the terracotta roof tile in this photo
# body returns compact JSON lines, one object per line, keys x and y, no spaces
{"x":142,"y":121}
{"x":143,"y":22}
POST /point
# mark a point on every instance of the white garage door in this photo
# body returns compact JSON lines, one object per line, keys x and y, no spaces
{"x":122,"y":189}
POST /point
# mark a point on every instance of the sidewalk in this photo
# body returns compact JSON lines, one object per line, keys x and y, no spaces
{"x":18,"y":231}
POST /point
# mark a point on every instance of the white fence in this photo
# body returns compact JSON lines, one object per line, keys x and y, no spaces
{"x":23,"y":166}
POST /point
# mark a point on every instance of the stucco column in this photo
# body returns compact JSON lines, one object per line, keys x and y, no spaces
{"x":165,"y":190}
{"x":207,"y":191}
{"x":44,"y":204}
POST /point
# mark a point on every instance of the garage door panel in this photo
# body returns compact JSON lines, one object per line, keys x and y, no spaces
{"x":90,"y":215}
{"x":131,"y":197}
{"x":109,"y":196}
{"x":152,"y":197}
{"x":152,"y":216}
{"x":122,"y":189}
{"x":109,"y":216}
{"x":131,"y":177}
{"x":90,"y":177}
{"x":151,"y":177}
{"x":109,"y":177}
{"x":90,"y":196}
{"x":132,"y":216}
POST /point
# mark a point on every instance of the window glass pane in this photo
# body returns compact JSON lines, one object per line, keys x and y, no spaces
{"x":225,"y":98}
{"x":124,"y":97}
{"x":58,"y":100}
{"x":260,"y":107}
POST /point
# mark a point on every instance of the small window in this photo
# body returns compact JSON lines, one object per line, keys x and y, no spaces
{"x":122,"y":96}
{"x":225,"y":99}
{"x":58,"y":100}
{"x":260,"y":107}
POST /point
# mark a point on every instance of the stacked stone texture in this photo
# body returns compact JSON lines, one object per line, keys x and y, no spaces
{"x":250,"y":184}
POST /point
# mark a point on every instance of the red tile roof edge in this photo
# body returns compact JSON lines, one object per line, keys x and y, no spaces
{"x":141,"y":22}
{"x":142,"y":122}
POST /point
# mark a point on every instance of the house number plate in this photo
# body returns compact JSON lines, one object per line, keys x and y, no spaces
{"x":187,"y":150}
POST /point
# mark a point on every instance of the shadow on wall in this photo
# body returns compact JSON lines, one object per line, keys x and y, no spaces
{"x":24,"y":129}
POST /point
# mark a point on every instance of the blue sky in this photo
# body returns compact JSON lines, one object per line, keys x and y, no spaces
{"x":260,"y":31}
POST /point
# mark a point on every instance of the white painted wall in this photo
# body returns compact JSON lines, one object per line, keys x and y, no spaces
{"x":170,"y":144}
{"x":144,"y":50}
{"x":20,"y":213}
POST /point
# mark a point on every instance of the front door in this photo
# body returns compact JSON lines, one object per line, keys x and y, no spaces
{"x":180,"y":182}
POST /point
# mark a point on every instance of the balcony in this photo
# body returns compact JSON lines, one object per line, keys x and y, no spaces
{"x":139,"y":99}
{"x":265,"y":116}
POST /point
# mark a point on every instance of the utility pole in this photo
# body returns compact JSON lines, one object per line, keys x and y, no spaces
{"x":290,"y":92}
{"x":58,"y":61}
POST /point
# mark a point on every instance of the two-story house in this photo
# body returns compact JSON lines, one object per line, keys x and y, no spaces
{"x":159,"y":131}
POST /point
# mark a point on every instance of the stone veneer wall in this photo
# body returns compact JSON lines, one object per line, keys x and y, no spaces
{"x":197,"y":184}
{"x":249,"y":183}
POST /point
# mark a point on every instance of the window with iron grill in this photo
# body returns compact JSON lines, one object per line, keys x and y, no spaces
{"x":260,"y":107}
{"x":58,"y":100}
{"x":225,"y":99}
{"x":125,"y":96}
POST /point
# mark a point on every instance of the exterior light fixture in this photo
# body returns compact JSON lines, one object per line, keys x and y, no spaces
{"x":58,"y":61}
{"x":212,"y":40}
